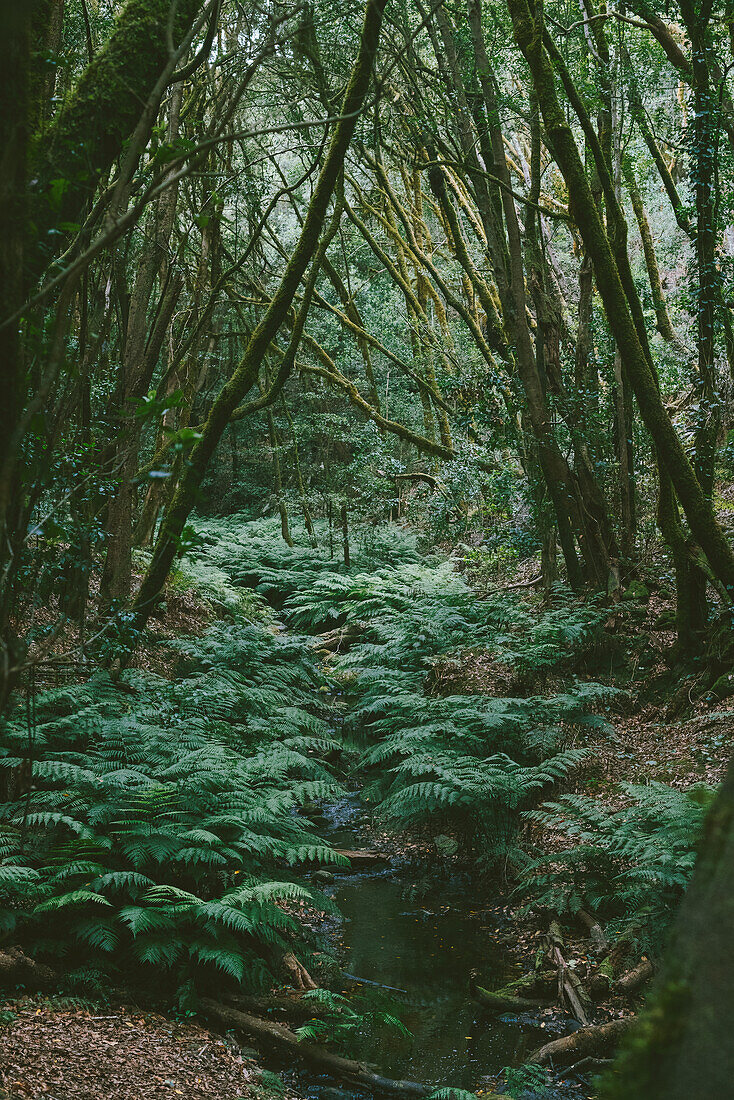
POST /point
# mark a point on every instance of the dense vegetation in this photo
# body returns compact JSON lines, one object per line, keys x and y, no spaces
{"x":366,"y":369}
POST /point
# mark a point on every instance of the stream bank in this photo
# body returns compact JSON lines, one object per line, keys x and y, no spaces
{"x":381,"y":630}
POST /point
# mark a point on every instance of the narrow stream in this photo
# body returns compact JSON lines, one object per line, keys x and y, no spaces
{"x":422,"y":935}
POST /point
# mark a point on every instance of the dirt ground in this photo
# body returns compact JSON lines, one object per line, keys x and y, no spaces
{"x":54,"y":1052}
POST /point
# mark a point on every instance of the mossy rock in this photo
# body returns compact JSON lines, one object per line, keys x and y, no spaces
{"x":723,"y":688}
{"x":637,"y":592}
{"x":665,"y":620}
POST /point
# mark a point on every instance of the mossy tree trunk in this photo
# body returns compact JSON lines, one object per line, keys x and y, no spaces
{"x":528,"y":28}
{"x":88,"y":131}
{"x":681,"y":1047}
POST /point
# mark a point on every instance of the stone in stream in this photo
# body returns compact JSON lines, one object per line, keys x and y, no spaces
{"x":446,"y":846}
{"x":323,"y":877}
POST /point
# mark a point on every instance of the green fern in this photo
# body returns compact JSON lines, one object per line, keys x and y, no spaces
{"x":343,"y":1020}
{"x":162,"y":818}
{"x":630,"y":864}
{"x":477,"y":760}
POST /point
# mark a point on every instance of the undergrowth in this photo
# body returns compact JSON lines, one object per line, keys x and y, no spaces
{"x":631,"y":865}
{"x":159,"y":822}
{"x":469,"y":759}
{"x":150,"y":824}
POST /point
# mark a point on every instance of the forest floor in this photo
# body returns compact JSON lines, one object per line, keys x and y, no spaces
{"x":62,"y":1050}
{"x":56,"y":1050}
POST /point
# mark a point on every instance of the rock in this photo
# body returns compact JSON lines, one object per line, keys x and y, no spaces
{"x":323,"y":877}
{"x":638,"y":592}
{"x":312,"y":809}
{"x":665,"y":620}
{"x":446,"y":846}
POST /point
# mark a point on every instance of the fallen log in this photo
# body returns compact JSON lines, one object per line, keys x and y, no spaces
{"x":602,"y":983}
{"x":595,"y":1041}
{"x":501,"y":1002}
{"x":357,"y":859}
{"x":597,"y":937}
{"x":273,"y":1033}
{"x":17,"y":969}
{"x":511,"y":997}
{"x":621,"y":950}
{"x":293,"y":1006}
{"x":338,"y":640}
{"x":632,"y":981}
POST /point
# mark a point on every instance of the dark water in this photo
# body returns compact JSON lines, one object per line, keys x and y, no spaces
{"x":421,"y":935}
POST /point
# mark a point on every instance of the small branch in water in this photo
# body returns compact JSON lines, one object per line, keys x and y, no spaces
{"x":368,"y":981}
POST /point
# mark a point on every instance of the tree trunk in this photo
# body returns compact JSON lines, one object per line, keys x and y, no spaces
{"x":275,"y":1034}
{"x":247,"y":372}
{"x":638,"y":371}
{"x":681,"y":1047}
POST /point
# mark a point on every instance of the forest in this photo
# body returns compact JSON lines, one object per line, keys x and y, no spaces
{"x":366,"y":549}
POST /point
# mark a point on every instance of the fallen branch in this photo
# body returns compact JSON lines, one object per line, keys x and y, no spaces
{"x":519,"y":584}
{"x":633,"y":980}
{"x":595,"y":1041}
{"x":272,"y":1033}
{"x":359,"y":858}
{"x":510,"y":998}
{"x":332,"y":641}
{"x":603,"y":980}
{"x":589,"y":1065}
{"x":419,"y":475}
{"x":570,"y":988}
{"x":369,"y":981}
{"x":293,"y":1006}
{"x":597,"y":936}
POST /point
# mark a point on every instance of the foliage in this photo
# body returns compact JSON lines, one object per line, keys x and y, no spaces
{"x":476,"y":759}
{"x":630,"y":864}
{"x":254,"y":554}
{"x":526,"y":1079}
{"x":343,"y":1020}
{"x":449,"y":1093}
{"x":161,"y":817}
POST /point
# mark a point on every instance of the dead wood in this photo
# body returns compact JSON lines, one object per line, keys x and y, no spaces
{"x":17,"y":969}
{"x":290,"y":1005}
{"x":632,"y":980}
{"x":359,"y":859}
{"x":273,"y":1033}
{"x":597,"y":936}
{"x":570,"y":989}
{"x":296,"y":971}
{"x":595,"y":1041}
{"x":512,"y":997}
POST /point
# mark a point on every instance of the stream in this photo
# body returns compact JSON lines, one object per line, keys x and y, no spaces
{"x":416,"y":931}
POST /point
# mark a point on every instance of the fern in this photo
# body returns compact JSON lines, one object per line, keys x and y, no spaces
{"x":448,"y":1093}
{"x":344,"y":1019}
{"x":162,"y":825}
{"x":631,"y":864}
{"x":162,"y":819}
{"x":477,"y":760}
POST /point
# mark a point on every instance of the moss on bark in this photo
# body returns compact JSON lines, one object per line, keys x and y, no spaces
{"x":87,"y":133}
